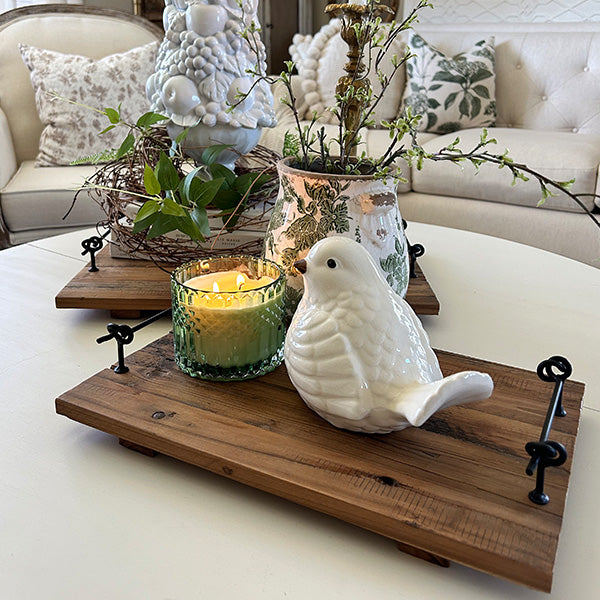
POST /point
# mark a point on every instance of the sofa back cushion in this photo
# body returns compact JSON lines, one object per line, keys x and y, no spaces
{"x":546,"y":73}
{"x":88,"y":32}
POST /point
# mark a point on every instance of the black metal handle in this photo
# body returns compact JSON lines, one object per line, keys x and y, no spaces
{"x":92,"y":246}
{"x":545,"y":453}
{"x":124,"y":334}
{"x":414,"y":252}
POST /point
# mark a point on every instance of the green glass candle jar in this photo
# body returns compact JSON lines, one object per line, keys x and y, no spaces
{"x":228,"y":317}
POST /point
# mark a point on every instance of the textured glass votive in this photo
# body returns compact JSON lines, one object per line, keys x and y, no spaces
{"x":228,"y":335}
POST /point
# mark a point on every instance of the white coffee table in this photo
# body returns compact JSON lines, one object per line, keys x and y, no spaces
{"x":81,"y":517}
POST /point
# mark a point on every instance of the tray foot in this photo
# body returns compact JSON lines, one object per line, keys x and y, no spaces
{"x":124,"y":313}
{"x":423,"y":555}
{"x":137,"y":448}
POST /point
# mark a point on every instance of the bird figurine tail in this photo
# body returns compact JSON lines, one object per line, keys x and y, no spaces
{"x":420,"y":402}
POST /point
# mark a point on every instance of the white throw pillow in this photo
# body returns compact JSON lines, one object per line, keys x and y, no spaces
{"x":70,"y":131}
{"x":299,"y":47}
{"x":321,"y":64}
{"x":451,"y":93}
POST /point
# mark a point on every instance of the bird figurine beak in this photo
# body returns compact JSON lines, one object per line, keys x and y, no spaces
{"x":300,"y":265}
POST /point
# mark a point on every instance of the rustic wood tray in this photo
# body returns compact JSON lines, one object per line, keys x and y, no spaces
{"x":455,"y":488}
{"x":127,"y":287}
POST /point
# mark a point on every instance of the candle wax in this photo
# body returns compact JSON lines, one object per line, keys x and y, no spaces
{"x":231,"y":319}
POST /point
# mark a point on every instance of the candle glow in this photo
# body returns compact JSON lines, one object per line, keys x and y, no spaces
{"x":227,"y":281}
{"x":223,"y":289}
{"x":231,"y":317}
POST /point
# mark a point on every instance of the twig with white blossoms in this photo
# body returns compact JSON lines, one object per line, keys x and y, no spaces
{"x":479,"y":155}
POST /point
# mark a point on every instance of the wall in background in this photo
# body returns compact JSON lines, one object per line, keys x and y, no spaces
{"x":516,"y":11}
{"x":319,"y":16}
{"x":10,"y":4}
{"x":124,"y":5}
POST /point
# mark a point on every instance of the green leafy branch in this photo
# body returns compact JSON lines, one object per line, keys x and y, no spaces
{"x":172,"y":194}
{"x":139,"y":130}
{"x":180,"y":203}
{"x":308,"y":143}
{"x":479,"y":155}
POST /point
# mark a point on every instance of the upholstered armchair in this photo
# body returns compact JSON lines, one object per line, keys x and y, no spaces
{"x":35,"y":198}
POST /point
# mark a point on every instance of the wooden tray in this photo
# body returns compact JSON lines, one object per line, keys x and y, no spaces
{"x":127,"y":287}
{"x":455,"y":488}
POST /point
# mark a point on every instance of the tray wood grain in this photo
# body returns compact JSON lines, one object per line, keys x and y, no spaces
{"x":126,"y":287}
{"x":455,"y":488}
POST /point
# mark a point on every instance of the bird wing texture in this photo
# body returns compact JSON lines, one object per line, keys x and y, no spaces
{"x":387,"y":338}
{"x":323,"y":367}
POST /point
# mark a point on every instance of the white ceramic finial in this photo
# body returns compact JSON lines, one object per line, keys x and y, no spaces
{"x":357,"y":353}
{"x":202,"y":64}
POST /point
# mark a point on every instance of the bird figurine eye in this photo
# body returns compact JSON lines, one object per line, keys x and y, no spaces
{"x":331,"y":263}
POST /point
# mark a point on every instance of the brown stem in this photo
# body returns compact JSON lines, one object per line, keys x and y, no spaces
{"x":515,"y":168}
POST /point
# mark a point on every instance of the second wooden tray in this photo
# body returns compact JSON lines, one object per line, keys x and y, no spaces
{"x":127,"y":287}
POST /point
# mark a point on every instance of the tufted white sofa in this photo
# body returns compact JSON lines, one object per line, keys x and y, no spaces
{"x":548,"y":116}
{"x":33,"y":200}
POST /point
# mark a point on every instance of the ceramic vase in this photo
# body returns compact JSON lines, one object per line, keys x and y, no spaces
{"x":312,"y":206}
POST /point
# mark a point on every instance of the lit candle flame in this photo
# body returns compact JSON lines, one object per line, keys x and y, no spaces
{"x":239,"y":281}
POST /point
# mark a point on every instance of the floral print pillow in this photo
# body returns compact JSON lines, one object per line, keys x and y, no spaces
{"x":71,"y":131}
{"x":451,"y":93}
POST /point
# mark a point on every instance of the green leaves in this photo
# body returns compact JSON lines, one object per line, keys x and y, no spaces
{"x":170,"y":210}
{"x":173,"y":199}
{"x":200,"y":219}
{"x":142,"y":126}
{"x":232,"y":196}
{"x":250,"y":182}
{"x":114,"y":116}
{"x":202,"y":193}
{"x":126,"y":146}
{"x":291,"y":145}
{"x":162,"y":224}
{"x":143,"y":123}
{"x":170,"y":207}
{"x":166,"y":173}
{"x":149,"y":208}
{"x":210,"y":155}
{"x":179,"y":201}
{"x":217,"y":170}
{"x":151,"y":181}
{"x":148,"y":119}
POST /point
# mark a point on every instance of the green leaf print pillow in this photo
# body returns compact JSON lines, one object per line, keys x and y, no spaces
{"x":451,"y":93}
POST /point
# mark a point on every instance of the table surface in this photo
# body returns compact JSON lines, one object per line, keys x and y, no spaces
{"x":81,"y":517}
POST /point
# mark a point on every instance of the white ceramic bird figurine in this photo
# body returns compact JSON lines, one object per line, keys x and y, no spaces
{"x":357,"y":353}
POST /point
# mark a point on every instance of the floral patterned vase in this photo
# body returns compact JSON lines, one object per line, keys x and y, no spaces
{"x":311,"y":206}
